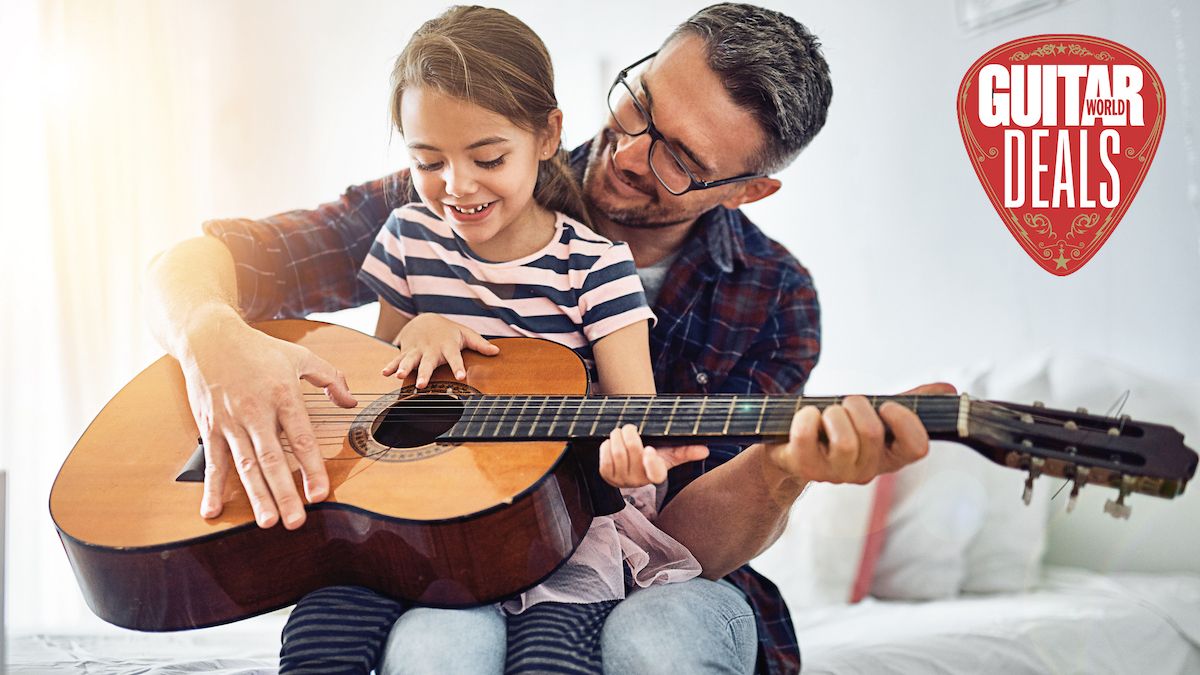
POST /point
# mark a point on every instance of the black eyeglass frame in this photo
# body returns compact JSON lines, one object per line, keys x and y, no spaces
{"x":656,"y":136}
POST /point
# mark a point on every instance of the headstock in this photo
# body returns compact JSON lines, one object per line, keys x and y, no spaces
{"x":1122,"y":453}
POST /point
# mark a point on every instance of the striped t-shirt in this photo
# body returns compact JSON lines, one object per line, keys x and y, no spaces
{"x":579,"y":288}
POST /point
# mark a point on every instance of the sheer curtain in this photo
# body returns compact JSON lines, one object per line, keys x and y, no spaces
{"x":103,"y":162}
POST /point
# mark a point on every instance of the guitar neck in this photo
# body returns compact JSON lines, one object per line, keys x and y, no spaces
{"x":677,"y":418}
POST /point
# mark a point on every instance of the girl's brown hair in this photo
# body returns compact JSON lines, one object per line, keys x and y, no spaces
{"x":490,"y":58}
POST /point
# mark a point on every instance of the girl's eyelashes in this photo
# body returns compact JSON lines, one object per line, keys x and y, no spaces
{"x":436,"y":166}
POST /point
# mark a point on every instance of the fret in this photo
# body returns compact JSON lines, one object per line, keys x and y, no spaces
{"x":621,"y":414}
{"x":517,"y":417}
{"x":485,"y":406}
{"x":502,"y":416}
{"x":699,"y":416}
{"x":554,"y":421}
{"x":729,"y":417}
{"x":762,"y":411}
{"x":671,"y":418}
{"x":537,"y":417}
{"x":712,"y":421}
{"x":648,"y":404}
{"x":596,"y":421}
{"x":574,"y":420}
{"x":655,"y":418}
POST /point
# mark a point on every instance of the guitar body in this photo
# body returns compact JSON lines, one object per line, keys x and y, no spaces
{"x":440,"y":525}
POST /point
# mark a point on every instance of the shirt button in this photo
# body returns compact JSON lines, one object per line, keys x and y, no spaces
{"x":702,"y":377}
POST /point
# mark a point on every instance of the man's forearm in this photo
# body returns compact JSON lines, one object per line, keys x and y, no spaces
{"x":189,"y":285}
{"x":732,"y":513}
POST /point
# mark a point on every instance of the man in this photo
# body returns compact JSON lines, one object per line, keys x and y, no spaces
{"x":696,"y":129}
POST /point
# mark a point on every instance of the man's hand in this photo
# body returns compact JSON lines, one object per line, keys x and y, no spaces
{"x":626,"y":463}
{"x":853,"y":449}
{"x":244,"y":388}
{"x":428,"y":341}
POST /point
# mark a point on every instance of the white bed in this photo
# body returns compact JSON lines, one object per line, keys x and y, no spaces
{"x":1077,"y":621}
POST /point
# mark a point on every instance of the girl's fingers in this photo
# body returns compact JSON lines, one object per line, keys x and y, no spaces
{"x":454,"y":359}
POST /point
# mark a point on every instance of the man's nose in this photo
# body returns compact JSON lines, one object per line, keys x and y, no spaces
{"x":632,"y":153}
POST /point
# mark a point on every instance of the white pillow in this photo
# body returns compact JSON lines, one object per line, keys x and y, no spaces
{"x":957,"y":521}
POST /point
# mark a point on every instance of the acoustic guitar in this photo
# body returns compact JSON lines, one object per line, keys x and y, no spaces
{"x":462,"y":493}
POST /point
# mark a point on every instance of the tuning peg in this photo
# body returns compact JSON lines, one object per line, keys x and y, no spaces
{"x":1035,"y":470}
{"x":1081,"y":410}
{"x":1039,"y":404}
{"x":1119,"y":509}
{"x":1114,"y":431}
{"x":1081,"y":476}
{"x":1070,"y":425}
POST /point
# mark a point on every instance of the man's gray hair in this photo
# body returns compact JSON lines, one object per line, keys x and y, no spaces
{"x":772,"y":66}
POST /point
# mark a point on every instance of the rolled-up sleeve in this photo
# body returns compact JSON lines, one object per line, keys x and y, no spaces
{"x":299,"y":262}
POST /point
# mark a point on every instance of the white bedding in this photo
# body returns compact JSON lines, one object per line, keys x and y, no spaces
{"x":1076,"y":622}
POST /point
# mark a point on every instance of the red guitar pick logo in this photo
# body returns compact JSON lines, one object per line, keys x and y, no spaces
{"x":1061,"y":130}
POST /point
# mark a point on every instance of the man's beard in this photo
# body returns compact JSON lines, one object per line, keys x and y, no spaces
{"x":653,"y":215}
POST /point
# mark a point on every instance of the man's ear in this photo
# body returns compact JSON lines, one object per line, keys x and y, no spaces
{"x":751,"y":191}
{"x":552,"y":135}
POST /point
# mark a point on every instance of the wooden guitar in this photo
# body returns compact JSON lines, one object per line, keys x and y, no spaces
{"x":463,"y":493}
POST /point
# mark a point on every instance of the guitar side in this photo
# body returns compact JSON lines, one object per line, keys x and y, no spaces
{"x":498,"y":521}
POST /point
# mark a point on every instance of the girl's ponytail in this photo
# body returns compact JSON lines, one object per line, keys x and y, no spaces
{"x":557,"y":187}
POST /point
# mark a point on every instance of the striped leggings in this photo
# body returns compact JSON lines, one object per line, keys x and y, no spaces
{"x":343,"y":629}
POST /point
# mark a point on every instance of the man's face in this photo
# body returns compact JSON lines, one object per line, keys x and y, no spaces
{"x":690,"y":106}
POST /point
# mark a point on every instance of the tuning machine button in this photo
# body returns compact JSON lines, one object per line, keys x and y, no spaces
{"x":1081,"y":476}
{"x":1035,"y":469}
{"x":1119,"y":509}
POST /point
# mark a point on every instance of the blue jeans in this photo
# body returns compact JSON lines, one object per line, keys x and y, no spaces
{"x":696,"y":626}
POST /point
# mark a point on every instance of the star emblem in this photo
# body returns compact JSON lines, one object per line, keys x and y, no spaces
{"x":1060,"y":263}
{"x":1061,"y":49}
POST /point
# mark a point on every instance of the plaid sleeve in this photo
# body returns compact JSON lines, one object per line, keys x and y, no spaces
{"x":783,"y":355}
{"x":295,"y":263}
{"x":786,"y":349}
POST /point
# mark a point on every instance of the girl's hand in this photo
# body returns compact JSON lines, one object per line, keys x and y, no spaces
{"x":626,"y":463}
{"x":428,"y":341}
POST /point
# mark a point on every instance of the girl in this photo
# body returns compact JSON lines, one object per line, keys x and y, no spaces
{"x":498,"y":246}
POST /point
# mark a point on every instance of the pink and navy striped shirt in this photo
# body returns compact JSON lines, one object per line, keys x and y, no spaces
{"x":577,"y":289}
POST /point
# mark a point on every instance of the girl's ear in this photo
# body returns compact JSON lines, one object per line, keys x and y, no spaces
{"x":552,"y":135}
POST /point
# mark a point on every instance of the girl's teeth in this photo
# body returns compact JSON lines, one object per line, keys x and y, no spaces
{"x":477,"y":209}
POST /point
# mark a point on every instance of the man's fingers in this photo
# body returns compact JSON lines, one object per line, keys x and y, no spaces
{"x":933,"y":388}
{"x":297,"y":428}
{"x":275,"y":468}
{"x":317,"y":371}
{"x":246,"y":462}
{"x":216,"y":472}
{"x":910,"y":439}
{"x":843,"y":441}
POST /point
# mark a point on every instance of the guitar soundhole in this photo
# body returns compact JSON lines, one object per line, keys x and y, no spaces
{"x":417,"y":421}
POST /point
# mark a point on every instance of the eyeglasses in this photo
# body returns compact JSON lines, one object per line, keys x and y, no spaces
{"x":665,"y":161}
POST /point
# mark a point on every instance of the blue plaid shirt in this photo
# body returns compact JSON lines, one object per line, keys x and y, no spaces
{"x":736,"y":314}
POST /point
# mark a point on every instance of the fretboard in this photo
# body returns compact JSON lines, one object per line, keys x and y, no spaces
{"x":701,"y":419}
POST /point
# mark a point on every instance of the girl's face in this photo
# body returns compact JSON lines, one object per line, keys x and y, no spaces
{"x":475,"y":169}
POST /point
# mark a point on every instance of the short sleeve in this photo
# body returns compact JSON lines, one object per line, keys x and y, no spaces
{"x":612,"y":296}
{"x":384,"y":270}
